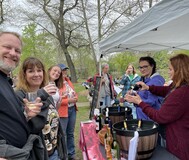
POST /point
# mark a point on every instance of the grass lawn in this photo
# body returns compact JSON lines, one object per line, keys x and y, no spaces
{"x":82,"y":115}
{"x":81,"y":91}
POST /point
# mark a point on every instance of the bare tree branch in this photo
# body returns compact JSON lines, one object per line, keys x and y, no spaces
{"x":1,"y":12}
{"x":70,"y":8}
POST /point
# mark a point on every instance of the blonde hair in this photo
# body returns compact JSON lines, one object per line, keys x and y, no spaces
{"x":29,"y":62}
{"x":59,"y":81}
{"x":180,"y":64}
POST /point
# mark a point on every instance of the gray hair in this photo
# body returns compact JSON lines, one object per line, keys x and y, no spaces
{"x":104,"y":65}
{"x":13,"y":33}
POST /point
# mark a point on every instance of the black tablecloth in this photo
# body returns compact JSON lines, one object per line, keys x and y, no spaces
{"x":159,"y":153}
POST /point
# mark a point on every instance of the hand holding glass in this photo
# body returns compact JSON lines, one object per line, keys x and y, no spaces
{"x":31,"y":96}
{"x":53,"y":88}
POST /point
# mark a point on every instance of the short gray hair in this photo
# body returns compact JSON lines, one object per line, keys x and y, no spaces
{"x":104,"y":65}
{"x":13,"y":33}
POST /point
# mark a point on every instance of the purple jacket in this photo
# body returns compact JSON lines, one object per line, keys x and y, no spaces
{"x":148,"y":97}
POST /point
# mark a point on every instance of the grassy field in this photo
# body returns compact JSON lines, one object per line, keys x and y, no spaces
{"x":82,"y":115}
{"x":81,"y":91}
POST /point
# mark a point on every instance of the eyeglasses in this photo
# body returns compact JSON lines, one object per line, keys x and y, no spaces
{"x":143,"y":67}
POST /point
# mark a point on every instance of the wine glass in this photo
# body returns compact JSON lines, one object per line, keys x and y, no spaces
{"x":54,"y":86}
{"x":31,"y":96}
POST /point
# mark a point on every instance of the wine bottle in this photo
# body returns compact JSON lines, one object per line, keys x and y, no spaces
{"x":106,"y":121}
{"x":126,"y":116}
{"x":115,"y":148}
{"x":125,"y":125}
{"x":121,"y":101}
{"x":137,"y":87}
{"x":139,"y":125}
{"x":108,"y":145}
{"x":98,"y":123}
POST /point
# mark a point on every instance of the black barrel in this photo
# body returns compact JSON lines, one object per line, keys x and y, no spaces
{"x":117,"y":114}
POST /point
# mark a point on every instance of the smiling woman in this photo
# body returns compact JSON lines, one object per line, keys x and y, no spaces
{"x":147,"y":66}
{"x":55,"y":77}
{"x":32,"y":78}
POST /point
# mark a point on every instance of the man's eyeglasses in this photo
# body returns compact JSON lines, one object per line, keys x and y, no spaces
{"x":143,"y":67}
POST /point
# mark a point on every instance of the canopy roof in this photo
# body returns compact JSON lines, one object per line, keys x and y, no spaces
{"x":165,"y":26}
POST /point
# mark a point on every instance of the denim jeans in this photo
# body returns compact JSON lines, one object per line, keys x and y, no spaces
{"x":54,"y":156}
{"x":106,"y":101}
{"x":131,"y":105}
{"x":68,"y":126}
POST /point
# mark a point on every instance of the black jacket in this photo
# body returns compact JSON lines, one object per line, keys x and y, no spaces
{"x":37,"y":123}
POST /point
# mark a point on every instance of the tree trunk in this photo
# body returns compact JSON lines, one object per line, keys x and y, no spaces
{"x":1,"y":12}
{"x":150,"y":3}
{"x":70,"y":65}
{"x":89,"y":36}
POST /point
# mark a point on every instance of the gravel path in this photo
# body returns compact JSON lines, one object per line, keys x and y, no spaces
{"x":83,"y":104}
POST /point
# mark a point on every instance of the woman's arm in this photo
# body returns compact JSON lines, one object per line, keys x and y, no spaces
{"x":174,"y":107}
{"x":171,"y":110}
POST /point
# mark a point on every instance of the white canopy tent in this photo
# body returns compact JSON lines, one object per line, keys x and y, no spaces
{"x":163,"y":27}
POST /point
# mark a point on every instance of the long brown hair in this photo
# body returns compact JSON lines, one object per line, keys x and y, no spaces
{"x":30,"y":62}
{"x":180,"y":64}
{"x":59,"y":81}
{"x":134,"y":72}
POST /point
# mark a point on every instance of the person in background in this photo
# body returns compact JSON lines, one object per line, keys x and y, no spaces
{"x":67,"y":111}
{"x":149,"y":76}
{"x":128,"y":80}
{"x":55,"y":76}
{"x":32,"y":78}
{"x":15,"y":130}
{"x":174,"y":112}
{"x":107,"y":93}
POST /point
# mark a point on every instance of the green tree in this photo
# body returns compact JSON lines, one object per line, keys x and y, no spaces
{"x":120,"y":61}
{"x":38,"y":45}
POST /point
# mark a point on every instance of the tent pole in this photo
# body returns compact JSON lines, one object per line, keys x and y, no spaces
{"x":100,"y":69}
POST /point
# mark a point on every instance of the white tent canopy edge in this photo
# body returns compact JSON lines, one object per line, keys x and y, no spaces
{"x":163,"y":27}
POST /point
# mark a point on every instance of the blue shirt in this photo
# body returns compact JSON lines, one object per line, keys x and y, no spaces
{"x":148,"y":97}
{"x":127,"y":82}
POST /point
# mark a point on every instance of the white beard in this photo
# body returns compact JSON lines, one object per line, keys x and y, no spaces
{"x":6,"y":67}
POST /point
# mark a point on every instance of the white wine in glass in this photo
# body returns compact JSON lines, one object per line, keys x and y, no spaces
{"x":31,"y":96}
